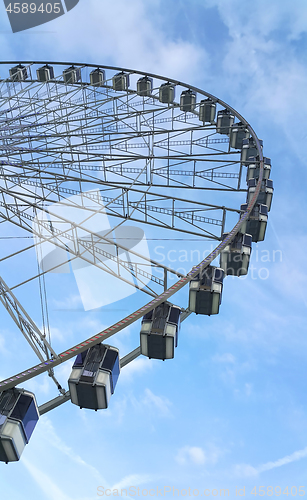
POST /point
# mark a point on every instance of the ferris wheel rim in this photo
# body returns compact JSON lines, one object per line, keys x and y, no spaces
{"x":152,"y":75}
{"x":136,"y":315}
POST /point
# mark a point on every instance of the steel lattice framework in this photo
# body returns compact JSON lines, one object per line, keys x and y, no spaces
{"x":136,"y":158}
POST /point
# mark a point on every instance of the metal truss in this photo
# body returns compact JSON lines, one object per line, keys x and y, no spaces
{"x":25,"y":324}
{"x":28,"y":328}
{"x":150,"y":163}
{"x":132,"y":204}
{"x":87,"y":248}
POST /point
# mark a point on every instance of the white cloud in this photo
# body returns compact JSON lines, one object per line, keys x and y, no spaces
{"x":45,"y":482}
{"x":136,"y":367}
{"x":290,"y":268}
{"x":50,"y":435}
{"x":196,"y":455}
{"x":297,"y":455}
{"x":245,"y":470}
{"x":292,"y":18}
{"x":132,"y":480}
{"x":157,"y":405}
{"x":52,"y":489}
{"x":39,"y":385}
{"x":57,"y":334}
{"x":161,"y":404}
{"x":69,"y":302}
{"x":273,"y":70}
{"x":248,"y":389}
{"x":130,"y":34}
{"x":3,"y":348}
{"x":227,"y":357}
{"x":62,"y":372}
{"x":245,"y":391}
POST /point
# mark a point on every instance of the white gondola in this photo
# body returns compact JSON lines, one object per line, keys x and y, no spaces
{"x":45,"y":74}
{"x":187,"y":101}
{"x":94,"y":376}
{"x":238,"y":132}
{"x":167,"y":93}
{"x":144,"y":86}
{"x":205,"y":293}
{"x":266,"y":192}
{"x":121,"y":81}
{"x":249,"y":150}
{"x":18,"y":417}
{"x":71,"y":75}
{"x":254,"y":168}
{"x":19,"y":73}
{"x":235,"y":257}
{"x":224,"y":121}
{"x":97,"y":77}
{"x":256,"y":223}
{"x":207,"y":111}
{"x":159,"y":331}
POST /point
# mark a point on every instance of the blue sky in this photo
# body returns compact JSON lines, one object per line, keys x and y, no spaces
{"x":230,"y":410}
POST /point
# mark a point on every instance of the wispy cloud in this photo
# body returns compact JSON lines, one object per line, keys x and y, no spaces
{"x":297,"y":455}
{"x":227,"y":357}
{"x":191,"y":454}
{"x":70,"y":302}
{"x":39,"y":385}
{"x":160,"y":404}
{"x":53,"y":438}
{"x":273,"y":69}
{"x":134,"y":35}
{"x":198,"y":456}
{"x":45,"y":482}
{"x":132,"y":480}
{"x":137,"y":367}
{"x":58,"y":489}
{"x":3,"y":348}
{"x":246,"y":470}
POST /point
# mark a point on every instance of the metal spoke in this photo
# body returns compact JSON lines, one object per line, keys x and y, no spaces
{"x":130,"y":157}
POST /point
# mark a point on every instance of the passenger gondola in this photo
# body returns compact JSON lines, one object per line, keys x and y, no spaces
{"x":205,"y":293}
{"x":18,"y":417}
{"x":235,"y":257}
{"x":159,"y":331}
{"x":94,"y":376}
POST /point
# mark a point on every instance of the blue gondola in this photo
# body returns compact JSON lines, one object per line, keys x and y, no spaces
{"x":254,"y":168}
{"x":265,"y":194}
{"x":45,"y":73}
{"x":94,"y":376}
{"x":97,"y":77}
{"x":18,"y":417}
{"x":71,"y":75}
{"x":159,"y":331}
{"x":144,"y":86}
{"x":167,"y":93}
{"x":256,"y":223}
{"x":235,"y":257}
{"x":121,"y":81}
{"x":205,"y":293}
{"x":207,"y":111}
{"x":19,"y":73}
{"x":188,"y":100}
{"x":224,"y":121}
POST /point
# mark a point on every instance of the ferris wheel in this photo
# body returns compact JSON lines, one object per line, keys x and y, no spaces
{"x":92,"y":159}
